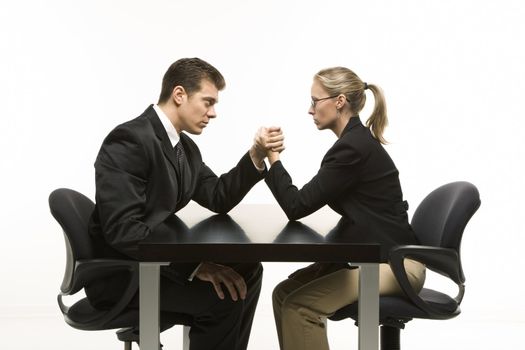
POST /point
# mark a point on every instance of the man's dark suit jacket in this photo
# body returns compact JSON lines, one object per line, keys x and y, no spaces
{"x":358,"y":180}
{"x":138,"y":188}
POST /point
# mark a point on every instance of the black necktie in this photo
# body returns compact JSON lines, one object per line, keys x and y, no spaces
{"x":183,"y":170}
{"x":181,"y":159}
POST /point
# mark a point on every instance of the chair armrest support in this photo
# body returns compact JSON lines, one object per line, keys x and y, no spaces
{"x":87,"y":271}
{"x":443,"y":261}
{"x":90,"y":270}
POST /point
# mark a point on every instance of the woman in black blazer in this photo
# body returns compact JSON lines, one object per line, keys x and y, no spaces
{"x":358,"y":180}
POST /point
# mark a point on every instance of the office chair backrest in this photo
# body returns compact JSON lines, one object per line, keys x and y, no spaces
{"x":72,"y":210}
{"x":442,"y":216}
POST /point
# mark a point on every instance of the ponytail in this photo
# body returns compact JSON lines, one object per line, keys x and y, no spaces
{"x":378,"y":121}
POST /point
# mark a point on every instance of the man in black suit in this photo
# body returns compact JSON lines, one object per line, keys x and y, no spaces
{"x":146,"y":170}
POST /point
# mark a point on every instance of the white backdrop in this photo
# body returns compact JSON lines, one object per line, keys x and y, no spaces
{"x":452,"y":72}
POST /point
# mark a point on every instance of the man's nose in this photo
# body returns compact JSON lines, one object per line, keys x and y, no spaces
{"x":211,"y":112}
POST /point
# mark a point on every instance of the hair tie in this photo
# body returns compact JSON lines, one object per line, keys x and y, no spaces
{"x":366,"y":86}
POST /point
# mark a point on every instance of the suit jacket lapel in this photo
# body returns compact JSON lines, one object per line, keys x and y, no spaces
{"x":163,"y":136}
{"x":185,"y":187}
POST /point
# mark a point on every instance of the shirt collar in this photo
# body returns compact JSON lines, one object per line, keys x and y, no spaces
{"x":168,"y":125}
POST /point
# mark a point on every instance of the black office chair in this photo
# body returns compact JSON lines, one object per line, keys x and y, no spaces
{"x":438,"y":222}
{"x":72,"y":210}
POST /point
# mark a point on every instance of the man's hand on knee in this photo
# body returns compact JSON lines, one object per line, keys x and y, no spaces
{"x":220,"y":274}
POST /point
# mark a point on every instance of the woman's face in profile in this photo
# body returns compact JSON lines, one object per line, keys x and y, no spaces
{"x":323,"y":108}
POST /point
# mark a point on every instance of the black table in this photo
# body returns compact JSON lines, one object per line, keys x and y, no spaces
{"x":252,"y":233}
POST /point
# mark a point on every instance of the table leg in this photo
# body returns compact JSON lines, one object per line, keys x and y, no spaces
{"x":149,"y":287}
{"x":368,"y":319}
{"x":186,"y":338}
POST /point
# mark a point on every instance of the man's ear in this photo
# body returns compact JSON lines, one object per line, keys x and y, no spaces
{"x":178,"y":95}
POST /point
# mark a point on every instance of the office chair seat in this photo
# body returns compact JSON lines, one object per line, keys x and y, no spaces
{"x":396,"y":307}
{"x":440,"y":301}
{"x":82,"y":312}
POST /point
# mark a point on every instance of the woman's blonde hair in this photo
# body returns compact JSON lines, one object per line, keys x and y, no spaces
{"x":341,"y":80}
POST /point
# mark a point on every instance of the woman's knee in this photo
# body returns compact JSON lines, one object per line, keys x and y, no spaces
{"x":416,"y":273}
{"x":284,"y":289}
{"x":388,"y":282}
{"x":279,"y":294}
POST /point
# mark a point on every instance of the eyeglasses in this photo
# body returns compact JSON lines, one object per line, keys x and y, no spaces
{"x":315,"y":100}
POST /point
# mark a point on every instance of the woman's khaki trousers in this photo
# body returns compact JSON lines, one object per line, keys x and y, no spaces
{"x":302,"y":303}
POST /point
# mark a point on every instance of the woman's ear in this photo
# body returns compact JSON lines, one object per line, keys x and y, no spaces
{"x":341,"y":101}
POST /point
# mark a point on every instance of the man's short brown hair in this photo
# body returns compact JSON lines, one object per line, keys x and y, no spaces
{"x":188,"y":73}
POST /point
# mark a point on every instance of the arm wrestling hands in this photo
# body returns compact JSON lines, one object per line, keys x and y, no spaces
{"x":271,"y":141}
{"x":268,"y":142}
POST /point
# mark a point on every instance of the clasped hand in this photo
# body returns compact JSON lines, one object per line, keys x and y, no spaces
{"x":268,"y":142}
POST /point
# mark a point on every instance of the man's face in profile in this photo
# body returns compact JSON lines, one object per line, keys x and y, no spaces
{"x":198,"y":108}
